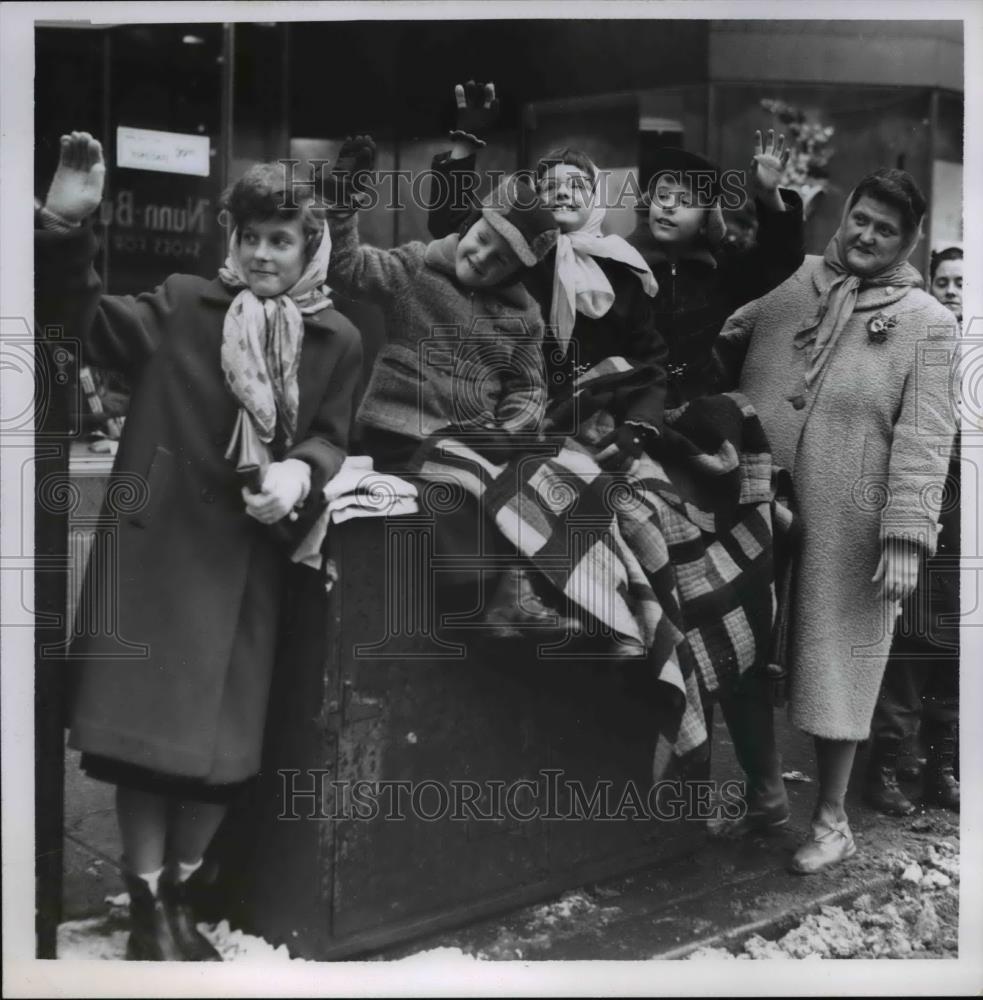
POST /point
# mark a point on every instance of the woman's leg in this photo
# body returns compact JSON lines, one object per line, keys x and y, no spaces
{"x":192,"y":827}
{"x":142,"y":820}
{"x":835,"y":762}
{"x":832,"y":840}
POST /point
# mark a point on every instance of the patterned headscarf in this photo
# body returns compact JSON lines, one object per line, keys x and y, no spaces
{"x":839,"y":298}
{"x":579,"y":284}
{"x":262,"y":338}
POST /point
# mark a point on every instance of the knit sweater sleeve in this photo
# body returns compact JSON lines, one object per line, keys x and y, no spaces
{"x":367,"y":272}
{"x":523,"y":401}
{"x":923,"y":435}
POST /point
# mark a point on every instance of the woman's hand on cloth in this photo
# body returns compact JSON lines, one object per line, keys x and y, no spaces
{"x":344,"y":186}
{"x":477,"y":112}
{"x":76,"y":189}
{"x":767,"y":166}
{"x":285,"y":486}
{"x":897,"y":571}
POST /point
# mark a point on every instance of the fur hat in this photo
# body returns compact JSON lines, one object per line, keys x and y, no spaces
{"x":517,"y":214}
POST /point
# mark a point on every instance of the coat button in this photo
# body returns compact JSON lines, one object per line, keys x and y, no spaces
{"x":207,"y":495}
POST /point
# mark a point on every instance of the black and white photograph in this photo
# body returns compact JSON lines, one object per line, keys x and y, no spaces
{"x":490,"y":498}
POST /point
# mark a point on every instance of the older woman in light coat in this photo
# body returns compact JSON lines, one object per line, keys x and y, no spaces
{"x":848,"y":364}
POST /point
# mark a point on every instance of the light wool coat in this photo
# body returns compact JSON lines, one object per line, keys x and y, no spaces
{"x":868,"y":455}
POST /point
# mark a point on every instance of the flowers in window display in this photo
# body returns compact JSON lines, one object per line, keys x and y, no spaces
{"x":806,"y":171}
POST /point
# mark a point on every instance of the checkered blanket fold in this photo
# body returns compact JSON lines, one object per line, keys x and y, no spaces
{"x":687,"y":572}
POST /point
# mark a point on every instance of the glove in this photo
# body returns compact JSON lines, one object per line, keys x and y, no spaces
{"x":345,"y":186}
{"x":477,"y":111}
{"x":621,"y":447}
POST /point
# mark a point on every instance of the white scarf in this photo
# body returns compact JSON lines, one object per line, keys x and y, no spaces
{"x":579,"y":284}
{"x":262,"y":337}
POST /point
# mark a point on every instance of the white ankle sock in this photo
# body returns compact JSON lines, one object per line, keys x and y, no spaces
{"x":185,"y":871}
{"x":151,"y":878}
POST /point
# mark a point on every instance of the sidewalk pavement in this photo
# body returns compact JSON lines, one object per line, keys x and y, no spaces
{"x":717,"y":896}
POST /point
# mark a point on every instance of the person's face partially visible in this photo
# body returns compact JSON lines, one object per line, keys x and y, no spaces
{"x":872,"y":236}
{"x":674,"y":218}
{"x":947,"y":285}
{"x":272,"y":255}
{"x":483,"y":258}
{"x":566,"y":192}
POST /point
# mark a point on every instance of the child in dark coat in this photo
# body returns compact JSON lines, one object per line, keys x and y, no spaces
{"x":172,"y":674}
{"x":701,"y":281}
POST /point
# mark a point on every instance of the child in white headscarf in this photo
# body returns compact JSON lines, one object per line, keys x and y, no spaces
{"x":595,"y":291}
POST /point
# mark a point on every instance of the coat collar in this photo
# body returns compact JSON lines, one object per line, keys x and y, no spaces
{"x":644,"y":242}
{"x":440,"y":255}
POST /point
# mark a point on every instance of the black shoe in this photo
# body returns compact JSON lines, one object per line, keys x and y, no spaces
{"x":151,"y":936}
{"x":881,"y":784}
{"x":941,"y":786}
{"x":193,"y":945}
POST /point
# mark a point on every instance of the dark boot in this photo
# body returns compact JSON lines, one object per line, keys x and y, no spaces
{"x":911,"y":761}
{"x":517,"y":610}
{"x":881,"y":781}
{"x":751,"y":724}
{"x":192,"y":943}
{"x":941,"y":786}
{"x":151,"y":936}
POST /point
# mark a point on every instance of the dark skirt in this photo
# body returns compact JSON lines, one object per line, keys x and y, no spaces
{"x":143,"y":779}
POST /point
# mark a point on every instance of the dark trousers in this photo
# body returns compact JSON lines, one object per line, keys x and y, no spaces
{"x":916,"y":688}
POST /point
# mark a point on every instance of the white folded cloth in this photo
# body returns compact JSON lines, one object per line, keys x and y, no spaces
{"x":357,"y":490}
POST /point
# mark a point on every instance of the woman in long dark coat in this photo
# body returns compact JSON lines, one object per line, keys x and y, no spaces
{"x":170,"y":682}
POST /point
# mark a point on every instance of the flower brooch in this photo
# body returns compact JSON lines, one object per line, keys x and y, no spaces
{"x":879,"y":326}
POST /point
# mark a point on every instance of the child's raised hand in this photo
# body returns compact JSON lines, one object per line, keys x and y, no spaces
{"x":768,"y":163}
{"x":356,"y":156}
{"x":344,"y":187}
{"x":477,"y":112}
{"x":76,"y":188}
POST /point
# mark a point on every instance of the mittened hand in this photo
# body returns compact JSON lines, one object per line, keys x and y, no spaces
{"x":621,"y":448}
{"x":285,"y":485}
{"x":76,"y":188}
{"x":477,"y":112}
{"x":345,"y":185}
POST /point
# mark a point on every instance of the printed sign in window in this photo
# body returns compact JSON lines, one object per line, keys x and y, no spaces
{"x":167,"y":152}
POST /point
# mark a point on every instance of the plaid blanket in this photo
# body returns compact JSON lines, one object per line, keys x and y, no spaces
{"x":676,"y":555}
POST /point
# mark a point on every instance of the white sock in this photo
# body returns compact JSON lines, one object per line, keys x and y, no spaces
{"x":151,"y":878}
{"x":185,"y":871}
